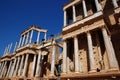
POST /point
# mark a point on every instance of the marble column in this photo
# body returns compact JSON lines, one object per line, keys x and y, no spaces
{"x":10,"y":65}
{"x":84,"y":8}
{"x":31,"y":36}
{"x":53,"y":59}
{"x":76,"y":54}
{"x":91,"y":55}
{"x":25,"y":66}
{"x":113,"y":64}
{"x":23,"y":40}
{"x":16,"y":69}
{"x":65,"y":18}
{"x":38,"y":37}
{"x":34,"y":62}
{"x":21,"y":65}
{"x":74,"y":13}
{"x":45,"y":36}
{"x":20,"y":42}
{"x":64,"y":56}
{"x":12,"y":71}
{"x":27,"y":37}
{"x":98,"y":6}
{"x":68,"y":64}
{"x":15,"y":46}
{"x":38,"y":63}
{"x":3,"y":69}
{"x":115,"y":3}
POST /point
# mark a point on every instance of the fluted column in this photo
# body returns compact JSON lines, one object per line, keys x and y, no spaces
{"x":64,"y":56}
{"x":53,"y":59}
{"x":12,"y":71}
{"x":31,"y":36}
{"x":38,"y":63}
{"x":76,"y":54}
{"x":45,"y":35}
{"x":23,"y":40}
{"x":74,"y":13}
{"x":98,"y":6}
{"x":113,"y":64}
{"x":38,"y":37}
{"x":34,"y":62}
{"x":16,"y":69}
{"x":65,"y":18}
{"x":2,"y":72}
{"x":25,"y":66}
{"x":84,"y":8}
{"x":9,"y":69}
{"x":91,"y":55}
{"x":20,"y":42}
{"x":21,"y":65}
{"x":27,"y":37}
{"x":115,"y":3}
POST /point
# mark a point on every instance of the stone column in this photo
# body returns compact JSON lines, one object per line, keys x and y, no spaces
{"x":2,"y":72}
{"x":2,"y":63}
{"x":98,"y":6}
{"x":9,"y":69}
{"x":113,"y":64}
{"x":65,"y":18}
{"x":74,"y":13}
{"x":31,"y":36}
{"x":38,"y":37}
{"x":84,"y":8}
{"x":15,"y":46}
{"x":27,"y":37}
{"x":45,"y":36}
{"x":115,"y":3}
{"x":34,"y":62}
{"x":23,"y":40}
{"x":68,"y":64}
{"x":20,"y":42}
{"x":91,"y":55}
{"x":12,"y":71}
{"x":38,"y":63}
{"x":64,"y":56}
{"x":76,"y":54}
{"x":21,"y":65}
{"x":53,"y":59}
{"x":25,"y":66}
{"x":16,"y":69}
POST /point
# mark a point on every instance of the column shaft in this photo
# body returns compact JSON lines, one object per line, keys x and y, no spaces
{"x":15,"y":46}
{"x":34,"y":62}
{"x":64,"y":56}
{"x":27,"y":37}
{"x":38,"y":63}
{"x":76,"y":54}
{"x":26,"y":64}
{"x":91,"y":55}
{"x":21,"y":65}
{"x":9,"y":69}
{"x":53,"y":58}
{"x":113,"y":64}
{"x":3,"y":69}
{"x":74,"y":13}
{"x":12,"y":71}
{"x":23,"y":41}
{"x":31,"y":36}
{"x":84,"y":8}
{"x":16,"y":69}
{"x":65,"y":18}
{"x":98,"y":6}
{"x":115,"y":3}
{"x":38,"y":37}
{"x":20,"y":42}
{"x":45,"y":35}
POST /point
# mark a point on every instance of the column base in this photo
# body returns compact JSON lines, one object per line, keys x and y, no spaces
{"x":92,"y":71}
{"x":77,"y":72}
{"x":113,"y":69}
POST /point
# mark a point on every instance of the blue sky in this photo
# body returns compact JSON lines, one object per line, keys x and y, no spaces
{"x":18,"y":15}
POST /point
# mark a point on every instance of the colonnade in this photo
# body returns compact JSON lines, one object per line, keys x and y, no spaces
{"x":98,"y":7}
{"x":113,"y":64}
{"x":27,"y":38}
